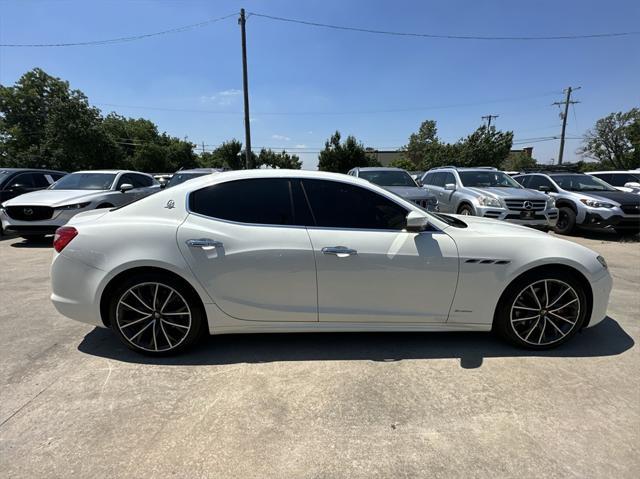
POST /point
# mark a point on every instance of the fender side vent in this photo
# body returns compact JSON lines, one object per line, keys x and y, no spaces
{"x":487,"y":261}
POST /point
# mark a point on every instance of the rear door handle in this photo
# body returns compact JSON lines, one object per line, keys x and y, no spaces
{"x":339,"y":251}
{"x":204,"y":243}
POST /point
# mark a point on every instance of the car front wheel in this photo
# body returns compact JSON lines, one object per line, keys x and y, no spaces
{"x":156,"y":315}
{"x":566,"y":221}
{"x":541,"y":310}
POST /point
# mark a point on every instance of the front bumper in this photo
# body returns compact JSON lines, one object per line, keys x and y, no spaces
{"x":40,"y":227}
{"x":617,"y":221}
{"x":601,"y":289}
{"x":540,"y":219}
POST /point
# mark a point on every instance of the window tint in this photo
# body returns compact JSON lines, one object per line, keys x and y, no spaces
{"x":618,"y":179}
{"x":40,"y":180}
{"x":25,"y":180}
{"x":340,"y":205}
{"x":523,"y":180}
{"x":137,"y":181}
{"x":536,"y":181}
{"x":449,"y":178}
{"x":262,"y":201}
{"x":427,"y":178}
{"x":438,"y":179}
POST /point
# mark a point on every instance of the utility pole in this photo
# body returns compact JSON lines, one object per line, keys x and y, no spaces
{"x":567,"y":101}
{"x":489,"y":118}
{"x":245,"y":84}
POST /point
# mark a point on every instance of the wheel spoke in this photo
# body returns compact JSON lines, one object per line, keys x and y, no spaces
{"x":558,"y":298}
{"x":544,"y":325}
{"x":155,"y":296}
{"x":554,"y":325}
{"x":166,"y":301}
{"x":526,"y":319}
{"x":535,"y":296}
{"x":155,"y":343}
{"x":131,"y":307}
{"x":140,"y":332}
{"x":141,"y":301}
{"x":166,"y":336}
{"x":175,"y":314}
{"x":174,"y":324}
{"x":564,"y":306}
{"x":524,"y":307}
{"x":531,"y":330}
{"x":560,"y":317}
{"x":136,"y":321}
{"x":546,"y":293}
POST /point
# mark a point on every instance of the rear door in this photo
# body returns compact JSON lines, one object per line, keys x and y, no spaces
{"x":247,"y":244}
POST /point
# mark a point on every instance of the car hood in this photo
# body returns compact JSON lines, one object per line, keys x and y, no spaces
{"x":411,"y":192}
{"x":54,"y":198}
{"x":489,"y":227}
{"x":519,"y":193}
{"x":617,"y":196}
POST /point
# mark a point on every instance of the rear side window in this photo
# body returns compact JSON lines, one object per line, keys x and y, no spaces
{"x":260,"y":201}
{"x":537,"y":181}
{"x":438,"y":179}
{"x":341,"y":205}
{"x":40,"y":180}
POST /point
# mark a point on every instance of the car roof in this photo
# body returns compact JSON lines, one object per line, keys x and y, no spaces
{"x":613,"y":171}
{"x":200,"y":170}
{"x":378,"y":168}
{"x":111,"y":171}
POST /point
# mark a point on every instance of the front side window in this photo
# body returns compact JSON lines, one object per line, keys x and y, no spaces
{"x":620,"y":179}
{"x":487,"y":179}
{"x":537,"y":181}
{"x":449,"y":178}
{"x":85,"y":181}
{"x":25,"y":180}
{"x":388,"y":178}
{"x":341,"y":205}
{"x":268,"y":201}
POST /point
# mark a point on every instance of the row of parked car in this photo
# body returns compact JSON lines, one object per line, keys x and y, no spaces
{"x":34,"y":203}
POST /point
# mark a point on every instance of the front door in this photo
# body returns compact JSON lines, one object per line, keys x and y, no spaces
{"x":371,"y":270}
{"x":242,"y":242}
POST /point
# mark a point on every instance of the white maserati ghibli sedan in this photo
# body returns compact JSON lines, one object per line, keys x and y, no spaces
{"x":294,"y":251}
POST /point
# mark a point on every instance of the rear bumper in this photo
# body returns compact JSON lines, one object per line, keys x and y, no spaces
{"x":74,"y":286}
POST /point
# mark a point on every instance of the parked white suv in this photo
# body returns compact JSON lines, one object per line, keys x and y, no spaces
{"x":627,"y":181}
{"x":34,"y":215}
{"x":489,"y":193}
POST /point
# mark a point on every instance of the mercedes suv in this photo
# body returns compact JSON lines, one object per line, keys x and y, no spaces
{"x":489,"y":193}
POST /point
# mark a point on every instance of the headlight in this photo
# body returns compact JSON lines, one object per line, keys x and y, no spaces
{"x":602,"y":261}
{"x":489,"y":201}
{"x":77,"y":206}
{"x":597,"y":204}
{"x":551,"y":202}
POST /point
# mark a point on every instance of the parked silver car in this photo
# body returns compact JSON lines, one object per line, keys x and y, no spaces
{"x":586,"y":201}
{"x":397,"y":181}
{"x":489,"y":193}
{"x":36,"y":214}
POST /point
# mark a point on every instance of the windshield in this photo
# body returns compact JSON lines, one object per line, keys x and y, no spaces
{"x":182,"y":177}
{"x":4,"y":174}
{"x":85,"y":181}
{"x":581,"y":183}
{"x":388,"y":178}
{"x":487,"y":179}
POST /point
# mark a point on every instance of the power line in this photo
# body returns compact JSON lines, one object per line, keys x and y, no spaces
{"x":120,"y":39}
{"x":448,"y":37}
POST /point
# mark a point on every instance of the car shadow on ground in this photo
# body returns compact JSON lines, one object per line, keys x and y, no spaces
{"x":46,"y":242}
{"x":605,"y":339}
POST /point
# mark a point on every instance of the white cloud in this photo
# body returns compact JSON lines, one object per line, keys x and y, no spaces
{"x":281,"y":137}
{"x":224,"y":97}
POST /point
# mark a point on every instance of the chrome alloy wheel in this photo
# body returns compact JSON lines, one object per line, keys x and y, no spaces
{"x":545,"y":312}
{"x":153,"y":317}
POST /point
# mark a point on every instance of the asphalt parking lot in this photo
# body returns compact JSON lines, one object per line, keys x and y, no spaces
{"x":74,"y":403}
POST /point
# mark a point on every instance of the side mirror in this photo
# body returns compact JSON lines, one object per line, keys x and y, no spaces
{"x":544,"y":188}
{"x":126,"y":187}
{"x":632,"y":184}
{"x":163,"y":185}
{"x":417,"y":222}
{"x":450,"y":187}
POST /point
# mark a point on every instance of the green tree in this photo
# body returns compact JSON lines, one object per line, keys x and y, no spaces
{"x":518,"y":162}
{"x":423,"y":145}
{"x":614,"y":141}
{"x":283,"y":160}
{"x":403,"y":163}
{"x":228,"y":155}
{"x":43,"y":123}
{"x":341,"y":157}
{"x":484,"y":147}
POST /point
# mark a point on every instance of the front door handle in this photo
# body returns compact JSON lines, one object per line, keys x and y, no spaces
{"x":204,"y":243}
{"x":339,"y":251}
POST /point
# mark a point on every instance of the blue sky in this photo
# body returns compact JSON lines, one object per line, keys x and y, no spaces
{"x":306,"y":82}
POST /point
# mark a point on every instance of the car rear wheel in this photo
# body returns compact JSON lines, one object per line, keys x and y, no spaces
{"x":156,"y":315}
{"x":541,"y":310}
{"x":566,"y":221}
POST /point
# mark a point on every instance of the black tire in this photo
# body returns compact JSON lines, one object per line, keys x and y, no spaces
{"x":33,"y":237}
{"x":566,"y":223}
{"x":465,"y":210}
{"x":543,"y":330}
{"x":160,"y":334}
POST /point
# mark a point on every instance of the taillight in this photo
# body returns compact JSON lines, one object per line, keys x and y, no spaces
{"x":63,"y":237}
